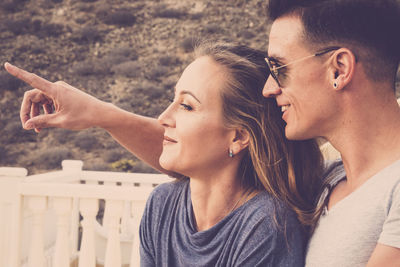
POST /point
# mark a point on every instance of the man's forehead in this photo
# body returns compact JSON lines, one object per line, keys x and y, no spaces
{"x":285,"y":36}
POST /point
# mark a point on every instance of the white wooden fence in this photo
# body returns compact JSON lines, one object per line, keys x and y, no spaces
{"x":51,"y":219}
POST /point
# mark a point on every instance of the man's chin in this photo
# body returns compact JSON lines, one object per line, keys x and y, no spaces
{"x":296,"y":135}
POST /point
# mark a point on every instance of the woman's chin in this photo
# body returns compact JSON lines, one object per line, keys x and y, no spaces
{"x":167,"y":164}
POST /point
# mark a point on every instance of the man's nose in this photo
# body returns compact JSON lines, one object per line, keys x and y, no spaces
{"x":271,"y":88}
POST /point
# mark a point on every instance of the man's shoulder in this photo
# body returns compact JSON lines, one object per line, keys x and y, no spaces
{"x":333,"y":171}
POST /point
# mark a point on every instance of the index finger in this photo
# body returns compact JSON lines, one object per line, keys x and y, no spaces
{"x":30,"y":78}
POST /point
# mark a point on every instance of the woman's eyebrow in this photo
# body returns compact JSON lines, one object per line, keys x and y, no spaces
{"x":185,"y":92}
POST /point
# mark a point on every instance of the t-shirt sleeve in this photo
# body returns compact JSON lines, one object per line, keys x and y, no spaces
{"x":147,"y":250}
{"x":390,"y":235}
{"x":272,"y":245}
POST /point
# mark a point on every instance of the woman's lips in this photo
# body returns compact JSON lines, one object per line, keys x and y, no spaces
{"x":168,"y":140}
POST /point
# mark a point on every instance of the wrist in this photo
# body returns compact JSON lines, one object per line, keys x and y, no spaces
{"x":108,"y":116}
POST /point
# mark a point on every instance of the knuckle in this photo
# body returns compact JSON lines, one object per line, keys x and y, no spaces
{"x":27,"y":94}
{"x":60,"y":82}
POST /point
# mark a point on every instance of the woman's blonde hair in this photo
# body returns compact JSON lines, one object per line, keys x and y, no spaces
{"x":289,"y":170}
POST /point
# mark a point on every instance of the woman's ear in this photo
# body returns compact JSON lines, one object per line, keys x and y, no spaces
{"x":342,"y":68}
{"x":240,"y":141}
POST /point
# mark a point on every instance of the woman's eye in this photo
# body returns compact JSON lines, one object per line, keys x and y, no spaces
{"x":186,"y":107}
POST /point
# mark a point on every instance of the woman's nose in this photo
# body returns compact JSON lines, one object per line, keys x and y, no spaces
{"x":166,"y":118}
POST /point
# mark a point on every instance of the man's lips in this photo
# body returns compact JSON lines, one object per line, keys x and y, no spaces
{"x":284,"y":109}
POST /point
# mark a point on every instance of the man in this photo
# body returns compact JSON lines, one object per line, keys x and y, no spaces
{"x":333,"y":76}
{"x":334,"y":66}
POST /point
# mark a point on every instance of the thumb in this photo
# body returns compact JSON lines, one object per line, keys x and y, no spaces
{"x":41,"y":121}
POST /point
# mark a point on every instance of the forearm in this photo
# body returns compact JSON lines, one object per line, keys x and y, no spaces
{"x":142,"y":136}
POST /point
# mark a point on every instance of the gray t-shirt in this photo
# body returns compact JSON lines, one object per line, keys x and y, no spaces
{"x":347,"y":234}
{"x":251,"y":235}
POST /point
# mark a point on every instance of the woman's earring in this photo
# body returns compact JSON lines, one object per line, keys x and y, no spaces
{"x":230,"y":153}
{"x":335,"y":84}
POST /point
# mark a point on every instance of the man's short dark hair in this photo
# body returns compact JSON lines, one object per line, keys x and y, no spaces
{"x":370,"y":28}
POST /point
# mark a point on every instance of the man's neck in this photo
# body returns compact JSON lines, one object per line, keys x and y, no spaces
{"x":368,"y":139}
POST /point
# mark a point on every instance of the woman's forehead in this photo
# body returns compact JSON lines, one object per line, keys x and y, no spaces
{"x":203,"y":77}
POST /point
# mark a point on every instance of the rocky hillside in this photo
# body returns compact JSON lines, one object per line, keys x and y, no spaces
{"x":129,"y":52}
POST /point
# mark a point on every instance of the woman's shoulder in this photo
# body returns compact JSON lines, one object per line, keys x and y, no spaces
{"x":167,"y":190}
{"x":271,"y":210}
{"x":272,"y":227}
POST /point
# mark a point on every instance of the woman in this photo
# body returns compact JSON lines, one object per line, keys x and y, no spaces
{"x":236,"y":207}
{"x":232,"y":205}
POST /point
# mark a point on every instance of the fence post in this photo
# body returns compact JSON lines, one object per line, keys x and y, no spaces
{"x":74,"y":169}
{"x":10,"y":215}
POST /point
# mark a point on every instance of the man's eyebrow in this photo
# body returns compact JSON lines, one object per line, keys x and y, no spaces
{"x":185,"y":92}
{"x":277,"y":59}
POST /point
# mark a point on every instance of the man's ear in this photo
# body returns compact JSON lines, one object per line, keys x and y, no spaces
{"x":342,"y":68}
{"x":240,"y":141}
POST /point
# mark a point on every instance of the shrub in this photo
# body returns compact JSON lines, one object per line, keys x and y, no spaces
{"x":12,"y":5}
{"x":84,"y":68}
{"x":188,"y":44}
{"x":14,"y":133}
{"x":123,"y":52}
{"x":213,"y":28}
{"x":51,"y":29}
{"x":18,"y":26}
{"x":153,"y":91}
{"x":129,"y":165}
{"x":3,"y":154}
{"x":157,"y":73}
{"x":96,"y":166}
{"x":9,"y":82}
{"x":62,"y":136}
{"x":36,"y":25}
{"x":120,"y":18}
{"x":129,"y":69}
{"x":168,"y":60}
{"x":125,"y":165}
{"x":197,"y":15}
{"x":86,"y":141}
{"x":143,"y":167}
{"x":113,"y":155}
{"x":118,"y":56}
{"x":88,"y":34}
{"x":51,"y":158}
{"x":95,"y":67}
{"x":247,"y":34}
{"x":162,"y":11}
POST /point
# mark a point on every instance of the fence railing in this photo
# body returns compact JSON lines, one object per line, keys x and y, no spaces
{"x":72,"y":216}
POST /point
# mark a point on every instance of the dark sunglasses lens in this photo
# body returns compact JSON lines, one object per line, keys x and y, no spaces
{"x":273,"y":71}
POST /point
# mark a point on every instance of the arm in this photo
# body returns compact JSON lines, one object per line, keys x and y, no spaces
{"x":387,"y":251}
{"x":384,"y":256}
{"x":70,"y":108}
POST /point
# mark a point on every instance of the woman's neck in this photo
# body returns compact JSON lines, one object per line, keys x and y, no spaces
{"x":213,"y":198}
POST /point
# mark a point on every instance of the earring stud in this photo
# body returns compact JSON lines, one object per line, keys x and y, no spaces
{"x":335,"y":84}
{"x":230,"y":153}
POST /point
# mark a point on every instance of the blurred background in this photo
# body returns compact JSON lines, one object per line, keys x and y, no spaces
{"x":128,"y":52}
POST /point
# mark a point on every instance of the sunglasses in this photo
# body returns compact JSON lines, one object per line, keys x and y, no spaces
{"x":279,"y":76}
